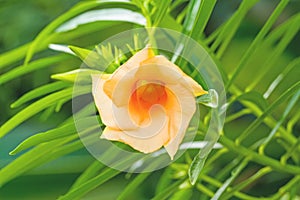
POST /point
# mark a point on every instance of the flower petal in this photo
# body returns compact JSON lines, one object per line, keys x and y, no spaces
{"x":146,"y":132}
{"x":107,"y":109}
{"x":139,"y":138}
{"x":103,"y":103}
{"x":159,"y":67}
{"x":149,"y":128}
{"x":195,"y":87}
{"x":125,"y":74}
{"x":180,"y":112}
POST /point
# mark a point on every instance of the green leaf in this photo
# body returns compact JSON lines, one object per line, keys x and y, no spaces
{"x":12,"y":56}
{"x":82,"y":76}
{"x":254,"y":97}
{"x":86,"y":111}
{"x":63,"y":37}
{"x":92,"y":170}
{"x":210,"y":99}
{"x":169,"y":190}
{"x":233,"y":176}
{"x":37,"y":92}
{"x":197,"y":17}
{"x":258,"y":158}
{"x":231,"y":27}
{"x":47,"y":136}
{"x":133,"y":185}
{"x":107,"y":174}
{"x":35,"y":65}
{"x":103,"y":58}
{"x":62,"y":131}
{"x":111,"y":57}
{"x":89,"y":173}
{"x":161,"y":11}
{"x":43,"y":153}
{"x":279,"y":78}
{"x":212,"y":136}
{"x":76,"y":10}
{"x":108,"y":14}
{"x":182,"y":193}
{"x":257,"y":41}
{"x":290,"y":151}
{"x":91,"y":58}
{"x":38,"y":106}
{"x":246,"y":182}
{"x":93,"y":183}
{"x":277,"y":51}
{"x":204,"y":190}
{"x":230,"y":118}
{"x":165,"y":180}
{"x":30,"y":159}
{"x":194,"y":24}
{"x":170,"y":23}
{"x":280,"y":30}
{"x":289,"y":107}
{"x":292,"y":90}
{"x":196,"y":168}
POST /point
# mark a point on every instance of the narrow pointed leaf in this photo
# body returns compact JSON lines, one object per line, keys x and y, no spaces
{"x":35,"y":65}
{"x":37,"y":107}
{"x":38,"y":92}
{"x":79,"y":75}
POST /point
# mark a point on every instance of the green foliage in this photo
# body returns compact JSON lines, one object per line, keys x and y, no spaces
{"x":260,"y":141}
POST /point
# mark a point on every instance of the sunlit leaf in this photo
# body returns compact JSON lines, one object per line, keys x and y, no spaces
{"x":256,"y":42}
{"x":40,"y":91}
{"x":108,"y":14}
{"x":78,"y":75}
{"x":76,"y":10}
{"x":37,"y":107}
{"x":259,"y":120}
{"x":255,"y":97}
{"x":63,"y":131}
{"x":30,"y":159}
{"x":91,"y":58}
{"x":36,"y":65}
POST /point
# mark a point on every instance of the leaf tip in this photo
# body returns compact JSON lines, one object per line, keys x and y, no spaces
{"x":72,"y":48}
{"x":13,"y":105}
{"x":27,"y":59}
{"x":192,"y":180}
{"x":196,"y":168}
{"x":13,"y":152}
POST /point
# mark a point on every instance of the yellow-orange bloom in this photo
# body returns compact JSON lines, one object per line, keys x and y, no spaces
{"x":147,"y":102}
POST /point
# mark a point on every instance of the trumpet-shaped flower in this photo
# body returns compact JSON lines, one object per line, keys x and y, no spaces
{"x":147,"y":102}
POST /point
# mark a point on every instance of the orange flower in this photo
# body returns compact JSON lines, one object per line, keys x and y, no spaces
{"x":146,"y":103}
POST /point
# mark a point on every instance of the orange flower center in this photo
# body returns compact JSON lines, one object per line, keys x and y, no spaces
{"x":145,"y":95}
{"x":149,"y":93}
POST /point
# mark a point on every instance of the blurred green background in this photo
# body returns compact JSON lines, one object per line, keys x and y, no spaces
{"x":21,"y":21}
